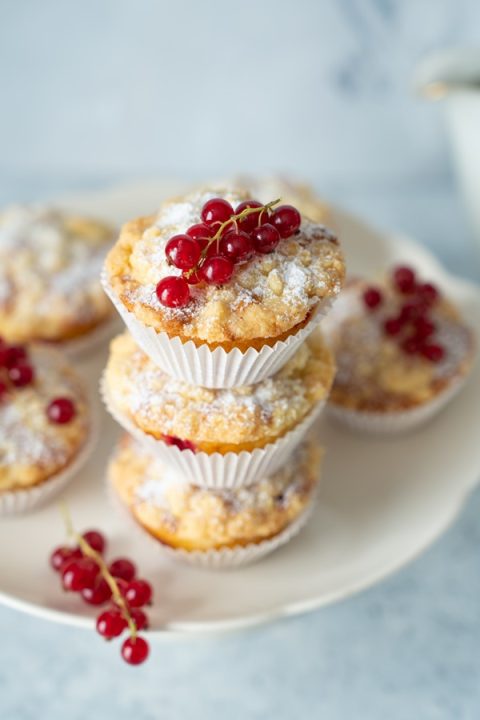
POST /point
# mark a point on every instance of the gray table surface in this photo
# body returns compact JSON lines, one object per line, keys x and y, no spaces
{"x":407,"y":649}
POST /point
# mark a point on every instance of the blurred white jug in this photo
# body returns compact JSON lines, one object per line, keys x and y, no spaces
{"x":454,"y":75}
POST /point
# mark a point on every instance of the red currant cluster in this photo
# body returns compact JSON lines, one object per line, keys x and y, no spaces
{"x":209,"y":250}
{"x":412,"y":326}
{"x":17,"y":371}
{"x":83,"y":570}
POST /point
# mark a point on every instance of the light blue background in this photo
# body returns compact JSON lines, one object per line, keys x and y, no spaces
{"x":107,"y":89}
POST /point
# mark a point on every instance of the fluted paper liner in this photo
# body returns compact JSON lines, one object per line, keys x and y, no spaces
{"x":218,"y":368}
{"x":16,"y":502}
{"x":390,"y":423}
{"x":217,"y":471}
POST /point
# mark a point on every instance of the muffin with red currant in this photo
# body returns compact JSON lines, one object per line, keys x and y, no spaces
{"x":243,"y":524}
{"x":44,"y":424}
{"x":218,"y":436}
{"x":50,"y":265}
{"x":402,"y":352}
{"x":219,"y":289}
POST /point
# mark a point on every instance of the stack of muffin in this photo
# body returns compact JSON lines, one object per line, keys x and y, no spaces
{"x":222,"y":373}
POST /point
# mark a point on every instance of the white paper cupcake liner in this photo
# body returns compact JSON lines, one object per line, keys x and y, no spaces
{"x":226,"y":558}
{"x":390,"y":423}
{"x":213,"y":368}
{"x":217,"y":471}
{"x":16,"y":502}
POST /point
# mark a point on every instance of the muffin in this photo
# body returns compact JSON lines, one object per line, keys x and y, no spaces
{"x":198,"y":521}
{"x":45,"y":424}
{"x":50,"y":265}
{"x":215,"y":436}
{"x":243,"y":301}
{"x":402,"y":352}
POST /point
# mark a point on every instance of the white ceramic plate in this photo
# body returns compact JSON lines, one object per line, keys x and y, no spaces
{"x":382,"y":501}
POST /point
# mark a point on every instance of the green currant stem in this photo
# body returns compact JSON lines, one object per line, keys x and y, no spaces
{"x":232,"y":219}
{"x":87,"y":550}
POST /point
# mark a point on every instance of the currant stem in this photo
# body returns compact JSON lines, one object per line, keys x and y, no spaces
{"x":232,"y":219}
{"x":108,"y":577}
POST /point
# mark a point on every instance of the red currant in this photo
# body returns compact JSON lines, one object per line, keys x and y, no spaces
{"x":410,"y":346}
{"x":96,"y":540}
{"x":392,"y":326}
{"x":138,"y":593}
{"x":183,"y":251}
{"x":111,"y":624}
{"x":248,"y":223}
{"x":178,"y":442}
{"x":3,"y":390}
{"x":123,"y":568}
{"x":423,"y":327}
{"x":216,"y":270}
{"x":404,"y":279}
{"x":372,"y":297}
{"x":62,"y":555}
{"x":15,"y":354}
{"x":236,"y":246}
{"x":79,"y":574}
{"x":286,"y":219}
{"x":265,"y":238}
{"x":216,"y":210}
{"x":21,"y":375}
{"x":173,"y":292}
{"x":201,"y":233}
{"x":433,"y":352}
{"x":99,"y":594}
{"x":61,"y":411}
{"x":428,"y":293}
{"x":139,"y":618}
{"x":135,"y":650}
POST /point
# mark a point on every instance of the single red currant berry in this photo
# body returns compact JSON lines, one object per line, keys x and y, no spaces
{"x":173,"y":292}
{"x":79,"y":574}
{"x":428,"y":293}
{"x":178,"y":442}
{"x":139,"y":618}
{"x":96,"y":540}
{"x":61,"y":411}
{"x":372,"y":297}
{"x":3,"y":390}
{"x":265,"y":238}
{"x":250,"y":221}
{"x":404,"y":279}
{"x":62,"y":555}
{"x":138,"y":593}
{"x":286,"y":219}
{"x":16,"y":355}
{"x":216,"y":270}
{"x":135,"y":650}
{"x":216,"y":210}
{"x":236,"y":246}
{"x":21,"y":375}
{"x":111,"y":624}
{"x":183,"y":252}
{"x":392,"y":326}
{"x":99,"y":594}
{"x":410,"y":346}
{"x":201,"y":233}
{"x":123,"y":568}
{"x":423,"y":327}
{"x":434,"y":353}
